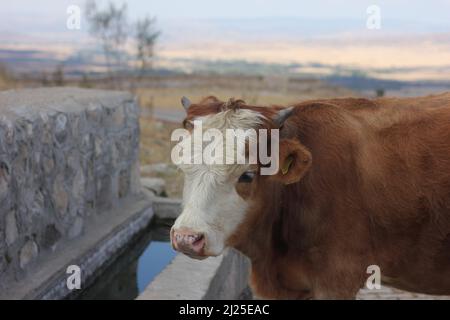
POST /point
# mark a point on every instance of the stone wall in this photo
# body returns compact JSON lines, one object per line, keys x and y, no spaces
{"x":67,"y":156}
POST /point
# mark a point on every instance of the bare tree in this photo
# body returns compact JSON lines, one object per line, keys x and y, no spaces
{"x":146,"y":36}
{"x":110,"y":26}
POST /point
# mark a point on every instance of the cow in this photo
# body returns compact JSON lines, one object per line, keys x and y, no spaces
{"x":361,"y":183}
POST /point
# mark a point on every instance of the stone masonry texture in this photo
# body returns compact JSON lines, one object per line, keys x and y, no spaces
{"x":66,"y":156}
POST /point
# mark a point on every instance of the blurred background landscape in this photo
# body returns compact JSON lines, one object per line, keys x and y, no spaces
{"x":265,"y":52}
{"x":262,"y":51}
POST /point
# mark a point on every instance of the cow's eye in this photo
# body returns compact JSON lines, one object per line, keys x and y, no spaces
{"x":187,"y":124}
{"x":247,"y":177}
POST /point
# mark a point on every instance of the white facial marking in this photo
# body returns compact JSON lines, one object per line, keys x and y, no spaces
{"x":211,"y":204}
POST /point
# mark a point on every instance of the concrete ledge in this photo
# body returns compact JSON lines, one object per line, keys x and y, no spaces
{"x":216,"y":278}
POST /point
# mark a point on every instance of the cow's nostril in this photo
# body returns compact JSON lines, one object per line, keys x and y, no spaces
{"x":199,"y":243}
{"x":198,"y":238}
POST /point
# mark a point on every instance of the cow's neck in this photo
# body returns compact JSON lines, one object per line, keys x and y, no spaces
{"x":267,"y":237}
{"x":268,"y":223}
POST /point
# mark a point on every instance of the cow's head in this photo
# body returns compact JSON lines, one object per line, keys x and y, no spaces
{"x":217,"y":196}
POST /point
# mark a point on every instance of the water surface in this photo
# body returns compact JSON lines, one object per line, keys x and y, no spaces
{"x":132,"y":271}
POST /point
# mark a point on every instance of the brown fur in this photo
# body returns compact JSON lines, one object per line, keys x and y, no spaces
{"x":377,"y":192}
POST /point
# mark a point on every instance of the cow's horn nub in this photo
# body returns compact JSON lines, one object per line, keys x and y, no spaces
{"x":186,"y":103}
{"x":282,"y":116}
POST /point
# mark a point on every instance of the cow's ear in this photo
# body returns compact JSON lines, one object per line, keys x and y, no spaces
{"x":294,"y":161}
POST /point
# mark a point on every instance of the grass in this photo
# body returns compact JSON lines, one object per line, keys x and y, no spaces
{"x":165,"y":92}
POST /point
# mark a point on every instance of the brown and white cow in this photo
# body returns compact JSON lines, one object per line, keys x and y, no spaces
{"x":368,"y":183}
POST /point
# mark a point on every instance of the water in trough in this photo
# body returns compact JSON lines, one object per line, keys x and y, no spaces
{"x":128,"y":275}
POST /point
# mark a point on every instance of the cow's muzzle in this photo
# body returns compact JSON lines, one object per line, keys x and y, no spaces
{"x":188,"y":242}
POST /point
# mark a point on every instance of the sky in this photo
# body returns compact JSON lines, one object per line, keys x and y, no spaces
{"x":416,"y":10}
{"x":28,"y":20}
